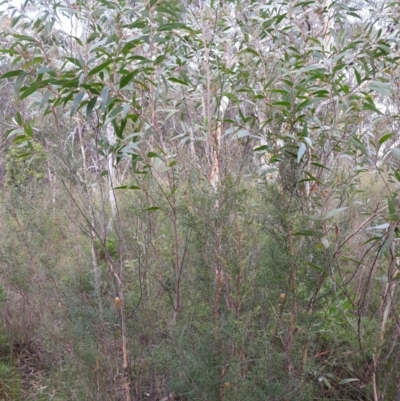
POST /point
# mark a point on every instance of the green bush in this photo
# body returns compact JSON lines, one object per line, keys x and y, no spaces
{"x":25,"y":164}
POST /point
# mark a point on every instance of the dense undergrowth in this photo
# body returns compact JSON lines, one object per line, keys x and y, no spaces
{"x":60,"y":323}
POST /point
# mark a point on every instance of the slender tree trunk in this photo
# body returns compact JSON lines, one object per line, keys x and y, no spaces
{"x":92,"y":221}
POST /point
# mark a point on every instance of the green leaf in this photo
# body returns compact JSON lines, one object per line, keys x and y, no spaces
{"x":45,"y":69}
{"x":127,"y":187}
{"x":334,"y":212}
{"x":282,"y":91}
{"x":19,"y":118}
{"x":259,"y":148}
{"x":313,"y":265}
{"x":167,"y":10}
{"x":384,"y":138}
{"x":28,"y":130}
{"x":370,"y":105}
{"x":152,"y":3}
{"x":159,"y":59}
{"x":349,"y":380}
{"x":100,"y":67}
{"x":24,"y":37}
{"x":127,"y":78}
{"x":286,"y":104}
{"x":104,"y":97}
{"x":19,"y":81}
{"x":31,"y":89}
{"x":10,"y":74}
{"x":358,"y":145}
{"x":394,"y":217}
{"x":45,"y":99}
{"x":90,"y":106}
{"x":74,"y":61}
{"x":153,"y":154}
{"x":178,"y":81}
{"x":391,"y":206}
{"x":113,"y":114}
{"x":77,"y":101}
{"x":388,"y":241}
{"x":13,"y":132}
{"x":320,"y":166}
{"x":314,"y":67}
{"x":152,"y":208}
{"x":171,"y":26}
{"x":307,"y":233}
{"x":397,"y":175}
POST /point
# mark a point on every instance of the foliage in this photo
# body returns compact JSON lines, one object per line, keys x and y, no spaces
{"x":22,"y":170}
{"x":220,"y":215}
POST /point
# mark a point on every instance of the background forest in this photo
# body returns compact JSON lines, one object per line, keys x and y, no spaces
{"x":199,"y":200}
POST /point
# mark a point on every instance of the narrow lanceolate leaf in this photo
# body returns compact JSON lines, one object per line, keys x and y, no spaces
{"x":45,"y":69}
{"x":384,"y":138}
{"x":380,"y":87}
{"x":242,"y":133}
{"x":334,"y":212}
{"x":171,"y":26}
{"x":151,"y":209}
{"x":11,"y":74}
{"x":319,"y":268}
{"x":127,"y":78}
{"x":77,"y":101}
{"x":28,"y":130}
{"x":25,"y":37}
{"x":75,"y":61}
{"x":153,"y":154}
{"x":349,"y":380}
{"x":45,"y":99}
{"x":370,"y":105}
{"x":383,"y":226}
{"x":13,"y":132}
{"x":18,"y":118}
{"x":126,"y":109}
{"x":391,"y":205}
{"x":300,"y":152}
{"x":113,"y":114}
{"x":178,"y":81}
{"x":100,"y":67}
{"x":396,"y":153}
{"x":90,"y":106}
{"x":104,"y":97}
{"x":19,"y":81}
{"x":127,"y":187}
{"x":358,"y":76}
{"x":28,"y":91}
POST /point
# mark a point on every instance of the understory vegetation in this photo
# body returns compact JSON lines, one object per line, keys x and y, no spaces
{"x":199,"y":200}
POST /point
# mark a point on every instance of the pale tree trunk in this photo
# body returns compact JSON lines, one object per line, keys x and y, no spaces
{"x":116,"y":271}
{"x":214,"y":126}
{"x":112,"y":181}
{"x":385,"y":310}
{"x":92,"y":217}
